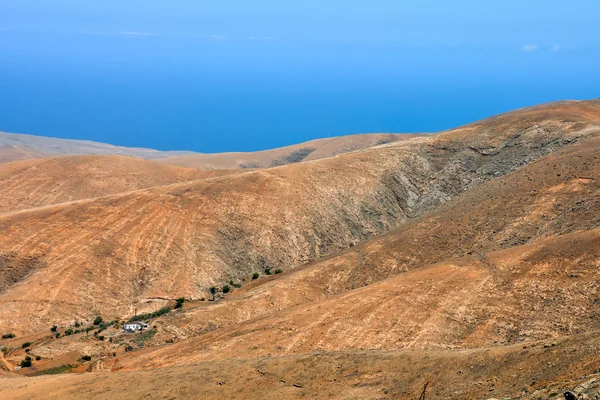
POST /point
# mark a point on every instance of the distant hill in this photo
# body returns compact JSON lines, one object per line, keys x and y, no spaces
{"x":15,"y":153}
{"x":307,"y":151}
{"x":16,"y":146}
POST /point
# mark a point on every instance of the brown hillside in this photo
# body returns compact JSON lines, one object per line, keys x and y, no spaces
{"x":467,"y":259}
{"x":538,"y":243}
{"x":118,"y":253}
{"x":312,"y":150}
{"x":37,"y":183}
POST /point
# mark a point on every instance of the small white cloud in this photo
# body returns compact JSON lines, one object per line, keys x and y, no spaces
{"x":530,"y":48}
{"x":260,"y":38}
{"x":218,"y":37}
{"x":134,"y":33}
{"x":555,"y":48}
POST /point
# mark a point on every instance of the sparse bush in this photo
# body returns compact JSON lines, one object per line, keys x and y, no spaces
{"x":203,"y":299}
{"x":26,"y":344}
{"x":267,"y":271}
{"x":26,"y":363}
{"x":293,"y":157}
{"x":54,"y":328}
{"x":27,"y":350}
{"x":56,"y":370}
{"x":226,"y":289}
{"x":278,"y":271}
{"x":8,"y":336}
{"x":104,"y":326}
{"x":38,"y":358}
{"x":77,"y":324}
{"x":255,"y":276}
{"x":98,"y":320}
{"x":180,"y":302}
{"x":154,"y":314}
{"x":213,"y":291}
{"x":101,"y":337}
{"x":86,"y":358}
{"x":90,"y":328}
{"x":68,"y":332}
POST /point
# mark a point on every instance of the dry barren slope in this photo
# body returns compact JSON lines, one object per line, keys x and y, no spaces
{"x":516,"y":372}
{"x":36,"y":183}
{"x":132,"y":251}
{"x":16,"y":153}
{"x":33,"y":146}
{"x":492,"y":267}
{"x":312,"y":150}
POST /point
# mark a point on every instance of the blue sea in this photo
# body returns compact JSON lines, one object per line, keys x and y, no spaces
{"x":149,"y":94}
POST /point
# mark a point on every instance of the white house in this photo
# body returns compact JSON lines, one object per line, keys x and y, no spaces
{"x":132,"y":327}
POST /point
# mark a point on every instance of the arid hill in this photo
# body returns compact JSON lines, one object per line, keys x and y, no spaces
{"x":14,"y":147}
{"x":118,"y":253}
{"x":16,"y":153}
{"x":30,"y":146}
{"x":312,"y":150}
{"x":467,"y":259}
{"x":37,"y":183}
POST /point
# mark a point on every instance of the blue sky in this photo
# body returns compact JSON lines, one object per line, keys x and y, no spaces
{"x":246,"y":75}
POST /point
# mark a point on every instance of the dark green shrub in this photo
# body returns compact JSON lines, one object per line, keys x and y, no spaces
{"x":90,"y":328}
{"x":180,"y":302}
{"x":213,"y":291}
{"x":26,"y":362}
{"x":267,"y":271}
{"x":255,"y":276}
{"x":8,"y":336}
{"x":154,"y":314}
{"x":26,"y":344}
{"x":203,"y":299}
{"x":86,"y":358}
{"x":101,"y":337}
{"x":69,"y":332}
{"x":226,"y":289}
{"x":54,"y":328}
{"x":278,"y":271}
{"x":38,"y":358}
{"x":77,"y":324}
{"x":98,"y":320}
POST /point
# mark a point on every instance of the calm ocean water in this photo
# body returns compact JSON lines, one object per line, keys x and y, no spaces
{"x":245,"y":112}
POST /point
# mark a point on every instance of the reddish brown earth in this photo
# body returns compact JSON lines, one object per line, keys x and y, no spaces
{"x":468,"y":259}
